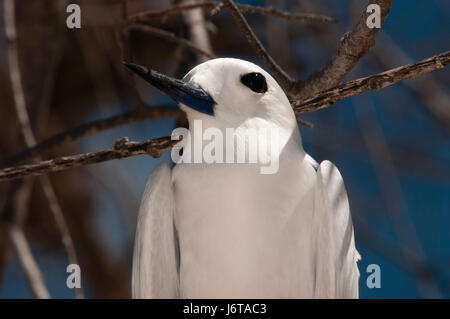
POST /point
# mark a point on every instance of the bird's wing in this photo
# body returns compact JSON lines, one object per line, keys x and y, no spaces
{"x":336,"y":257}
{"x":155,"y":257}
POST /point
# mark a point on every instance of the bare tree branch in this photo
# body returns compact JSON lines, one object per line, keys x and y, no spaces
{"x":216,"y":9}
{"x":197,"y":31}
{"x":123,"y":40}
{"x":123,"y":148}
{"x":30,"y":140}
{"x":392,"y":193}
{"x":399,"y":255}
{"x":371,"y":83}
{"x":323,"y":100}
{"x":14,"y":72}
{"x":29,"y":266}
{"x":303,"y":17}
{"x":353,"y":46}
{"x":163,"y":34}
{"x":90,"y":128}
{"x":285,"y":80}
{"x":20,"y":245}
{"x":434,"y":95}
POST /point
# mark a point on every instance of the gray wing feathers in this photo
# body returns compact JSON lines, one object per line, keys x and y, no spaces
{"x":336,"y":257}
{"x":155,"y":273}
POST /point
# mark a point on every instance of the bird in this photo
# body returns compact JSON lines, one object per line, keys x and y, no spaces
{"x":226,"y":230}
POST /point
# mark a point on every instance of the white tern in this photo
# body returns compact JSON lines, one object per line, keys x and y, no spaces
{"x":225,"y":230}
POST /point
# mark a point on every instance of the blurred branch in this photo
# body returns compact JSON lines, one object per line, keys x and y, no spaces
{"x":408,"y":159}
{"x":433,"y":94}
{"x":392,"y":192}
{"x":399,"y":255}
{"x":371,"y":83}
{"x":97,"y":126}
{"x":30,"y":140}
{"x":286,"y":81}
{"x":14,"y":72}
{"x":13,"y":227}
{"x":197,"y":31}
{"x":163,"y":34}
{"x":303,"y":17}
{"x":353,"y":46}
{"x":123,"y":148}
{"x":27,"y":262}
{"x":123,"y":41}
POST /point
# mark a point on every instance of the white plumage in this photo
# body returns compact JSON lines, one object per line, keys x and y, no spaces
{"x":228,"y":231}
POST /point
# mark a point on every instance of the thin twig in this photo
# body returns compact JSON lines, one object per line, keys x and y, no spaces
{"x":305,"y":123}
{"x":303,"y":17}
{"x":285,"y":80}
{"x":244,"y":8}
{"x":399,"y":255}
{"x":30,"y":140}
{"x":392,"y":193}
{"x":14,"y":72}
{"x":90,"y":128}
{"x":353,"y":46}
{"x":123,"y":40}
{"x":27,"y":262}
{"x":169,"y":36}
{"x":216,"y":9}
{"x":20,"y":244}
{"x":123,"y":148}
{"x":371,"y":83}
{"x":434,"y":95}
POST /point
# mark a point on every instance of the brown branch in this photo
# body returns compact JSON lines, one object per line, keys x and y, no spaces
{"x":30,"y":140}
{"x":166,"y":35}
{"x":322,"y":100}
{"x":285,"y":80}
{"x":123,"y":148}
{"x":145,"y":15}
{"x":90,"y":128}
{"x":353,"y":46}
{"x":14,"y":72}
{"x":28,"y":265}
{"x":216,"y":6}
{"x":371,"y":83}
{"x":303,"y":17}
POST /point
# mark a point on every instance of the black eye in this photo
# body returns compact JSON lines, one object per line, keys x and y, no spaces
{"x":255,"y":81}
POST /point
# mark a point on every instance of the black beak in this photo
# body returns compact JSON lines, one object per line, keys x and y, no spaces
{"x":179,"y":91}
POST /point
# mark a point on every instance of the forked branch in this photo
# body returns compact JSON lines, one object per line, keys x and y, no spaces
{"x":372,"y":83}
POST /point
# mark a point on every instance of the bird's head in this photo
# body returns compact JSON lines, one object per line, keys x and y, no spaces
{"x":226,"y":92}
